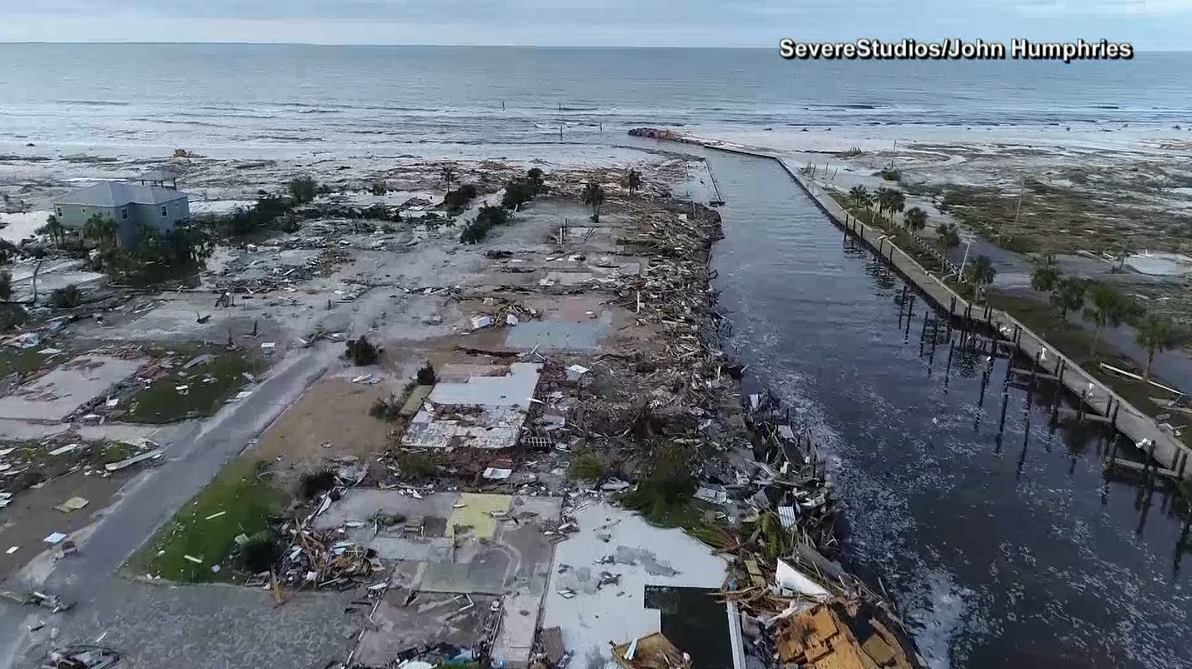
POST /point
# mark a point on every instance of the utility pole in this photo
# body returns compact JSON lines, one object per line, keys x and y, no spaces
{"x":968,"y":238}
{"x":1021,"y":189}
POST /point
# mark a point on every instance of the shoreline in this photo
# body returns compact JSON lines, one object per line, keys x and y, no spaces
{"x":1164,"y":448}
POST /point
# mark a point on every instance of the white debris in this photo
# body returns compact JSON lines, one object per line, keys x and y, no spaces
{"x":63,"y":450}
{"x":479,"y":322}
{"x":790,"y":579}
{"x":497,"y":473}
{"x":54,"y":538}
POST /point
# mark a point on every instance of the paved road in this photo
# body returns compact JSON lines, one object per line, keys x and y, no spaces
{"x":148,"y":502}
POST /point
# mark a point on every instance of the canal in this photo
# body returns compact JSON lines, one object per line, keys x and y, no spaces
{"x":1002,"y":547}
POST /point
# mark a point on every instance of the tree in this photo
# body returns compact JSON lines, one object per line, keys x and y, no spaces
{"x":593,"y":196}
{"x":948,"y":236}
{"x":1155,"y":333}
{"x":1044,"y":273}
{"x":66,"y":298}
{"x":55,"y":230}
{"x":981,"y":273}
{"x":5,"y":285}
{"x":889,"y":200}
{"x":632,"y":180}
{"x":448,"y":174}
{"x":859,"y":196}
{"x":915,"y":218}
{"x":536,"y":177}
{"x":1107,"y":307}
{"x":102,"y":230}
{"x":303,"y":189}
{"x":1067,"y":295}
{"x":1122,"y":252}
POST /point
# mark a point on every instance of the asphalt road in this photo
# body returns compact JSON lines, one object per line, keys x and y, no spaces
{"x":192,"y":460}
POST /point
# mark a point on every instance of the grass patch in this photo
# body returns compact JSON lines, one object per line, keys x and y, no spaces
{"x":1075,"y":342}
{"x":586,"y":467}
{"x":415,"y":466}
{"x":20,"y":360}
{"x":115,"y":451}
{"x":208,"y":386}
{"x":246,"y":499}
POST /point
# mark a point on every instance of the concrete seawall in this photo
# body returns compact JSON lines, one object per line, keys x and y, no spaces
{"x":1100,"y":402}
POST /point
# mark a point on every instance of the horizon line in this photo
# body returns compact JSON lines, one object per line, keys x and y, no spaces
{"x":448,"y":46}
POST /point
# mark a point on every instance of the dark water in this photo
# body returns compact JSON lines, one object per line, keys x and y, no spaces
{"x":1008,"y":552}
{"x":216,"y":95}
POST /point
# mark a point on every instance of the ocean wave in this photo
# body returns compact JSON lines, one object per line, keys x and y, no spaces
{"x":95,"y":103}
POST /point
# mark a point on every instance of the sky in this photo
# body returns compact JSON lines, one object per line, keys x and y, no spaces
{"x":1147,"y":24}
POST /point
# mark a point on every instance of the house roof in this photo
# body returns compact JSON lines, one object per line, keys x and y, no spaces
{"x":118,"y":194}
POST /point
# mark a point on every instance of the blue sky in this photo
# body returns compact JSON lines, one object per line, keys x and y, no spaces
{"x":1148,"y":24}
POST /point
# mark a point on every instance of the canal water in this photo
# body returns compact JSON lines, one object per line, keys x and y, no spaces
{"x":1000,"y":551}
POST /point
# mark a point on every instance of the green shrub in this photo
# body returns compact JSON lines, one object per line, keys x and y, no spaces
{"x":303,"y":189}
{"x":458,"y":199}
{"x":384,"y":409}
{"x":66,"y":298}
{"x":379,"y":188}
{"x":890,"y":174}
{"x":259,"y":553}
{"x":415,"y":465}
{"x":668,"y":484}
{"x":488,"y":217}
{"x":312,"y":483}
{"x":426,"y":375}
{"x":361,"y":351}
{"x":586,"y":467}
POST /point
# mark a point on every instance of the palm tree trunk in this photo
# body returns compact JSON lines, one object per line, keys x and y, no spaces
{"x":36,"y":269}
{"x":1150,"y":357}
{"x":1096,"y":337}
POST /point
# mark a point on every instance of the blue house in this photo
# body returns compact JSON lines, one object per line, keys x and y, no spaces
{"x":130,"y":205}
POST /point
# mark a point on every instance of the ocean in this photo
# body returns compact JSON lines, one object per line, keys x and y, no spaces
{"x":350,"y":98}
{"x":1002,"y":550}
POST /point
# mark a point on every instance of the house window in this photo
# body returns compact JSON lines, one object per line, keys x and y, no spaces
{"x":124,"y":214}
{"x":163,"y":211}
{"x":59,"y":211}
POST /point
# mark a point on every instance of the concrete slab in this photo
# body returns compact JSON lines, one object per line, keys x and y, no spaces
{"x":508,"y":556}
{"x":515,"y":637}
{"x":589,"y":615}
{"x":559,"y":335}
{"x":475,"y":514}
{"x":430,"y":619}
{"x":55,"y":395}
{"x":364,"y":503}
{"x":513,"y":389}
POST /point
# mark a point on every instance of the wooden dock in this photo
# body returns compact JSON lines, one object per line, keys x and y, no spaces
{"x":1098,"y":401}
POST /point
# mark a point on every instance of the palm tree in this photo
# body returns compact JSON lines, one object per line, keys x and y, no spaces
{"x":101,"y":229}
{"x":1155,"y":333}
{"x":948,"y":236}
{"x":593,"y":196}
{"x":448,"y":174}
{"x":859,"y":195}
{"x":915,"y":218}
{"x":882,"y":196}
{"x":1044,"y":274}
{"x":1107,"y":307}
{"x":632,"y":181}
{"x":1067,"y":295}
{"x":981,"y":273}
{"x":55,"y":229}
{"x":1121,"y":253}
{"x":890,"y":200}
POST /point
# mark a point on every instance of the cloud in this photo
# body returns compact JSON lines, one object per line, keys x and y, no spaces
{"x":756,"y":23}
{"x":1126,"y":8}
